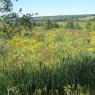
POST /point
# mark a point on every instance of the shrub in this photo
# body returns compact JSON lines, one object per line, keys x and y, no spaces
{"x":51,"y":24}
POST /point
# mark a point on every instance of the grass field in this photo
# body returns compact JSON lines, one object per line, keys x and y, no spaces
{"x":48,"y":61}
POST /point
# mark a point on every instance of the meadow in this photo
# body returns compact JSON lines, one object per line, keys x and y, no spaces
{"x":51,"y":58}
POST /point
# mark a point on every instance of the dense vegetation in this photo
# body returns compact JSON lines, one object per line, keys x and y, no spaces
{"x":46,"y":57}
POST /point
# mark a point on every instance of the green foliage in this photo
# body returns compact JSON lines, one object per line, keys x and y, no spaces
{"x":5,"y":5}
{"x":27,"y":21}
{"x":12,"y":24}
{"x":53,"y":65}
{"x":77,"y":26}
{"x":40,"y":78}
{"x":88,"y":25}
{"x":70,"y":25}
{"x":36,"y":61}
{"x":51,"y":24}
{"x":93,"y":27}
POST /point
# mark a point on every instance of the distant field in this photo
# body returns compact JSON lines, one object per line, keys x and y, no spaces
{"x":66,"y":17}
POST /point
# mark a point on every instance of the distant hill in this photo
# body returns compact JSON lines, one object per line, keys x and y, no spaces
{"x":65,"y":17}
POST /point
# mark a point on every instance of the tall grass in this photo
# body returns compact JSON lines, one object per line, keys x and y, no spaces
{"x":67,"y":76}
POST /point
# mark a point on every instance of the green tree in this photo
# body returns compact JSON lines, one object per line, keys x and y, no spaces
{"x":88,"y":25}
{"x":94,"y":27}
{"x":70,"y":25}
{"x":77,"y":26}
{"x":6,"y":5}
{"x":12,"y":23}
{"x":51,"y":24}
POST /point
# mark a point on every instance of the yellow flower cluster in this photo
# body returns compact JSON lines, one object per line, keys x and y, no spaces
{"x":52,"y":46}
{"x":91,"y":50}
{"x":50,"y":36}
{"x":25,"y":49}
{"x":92,"y":39}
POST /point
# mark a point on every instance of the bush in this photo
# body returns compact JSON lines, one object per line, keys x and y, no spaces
{"x":51,"y":24}
{"x":13,"y":25}
{"x":72,"y":25}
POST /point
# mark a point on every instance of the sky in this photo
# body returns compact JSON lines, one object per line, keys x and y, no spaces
{"x":56,"y":7}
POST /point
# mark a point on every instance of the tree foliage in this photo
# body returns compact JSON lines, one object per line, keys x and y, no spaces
{"x":51,"y":24}
{"x":6,"y":5}
{"x":12,"y":23}
{"x":72,"y":25}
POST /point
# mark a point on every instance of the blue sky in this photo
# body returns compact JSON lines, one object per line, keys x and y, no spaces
{"x":56,"y":7}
